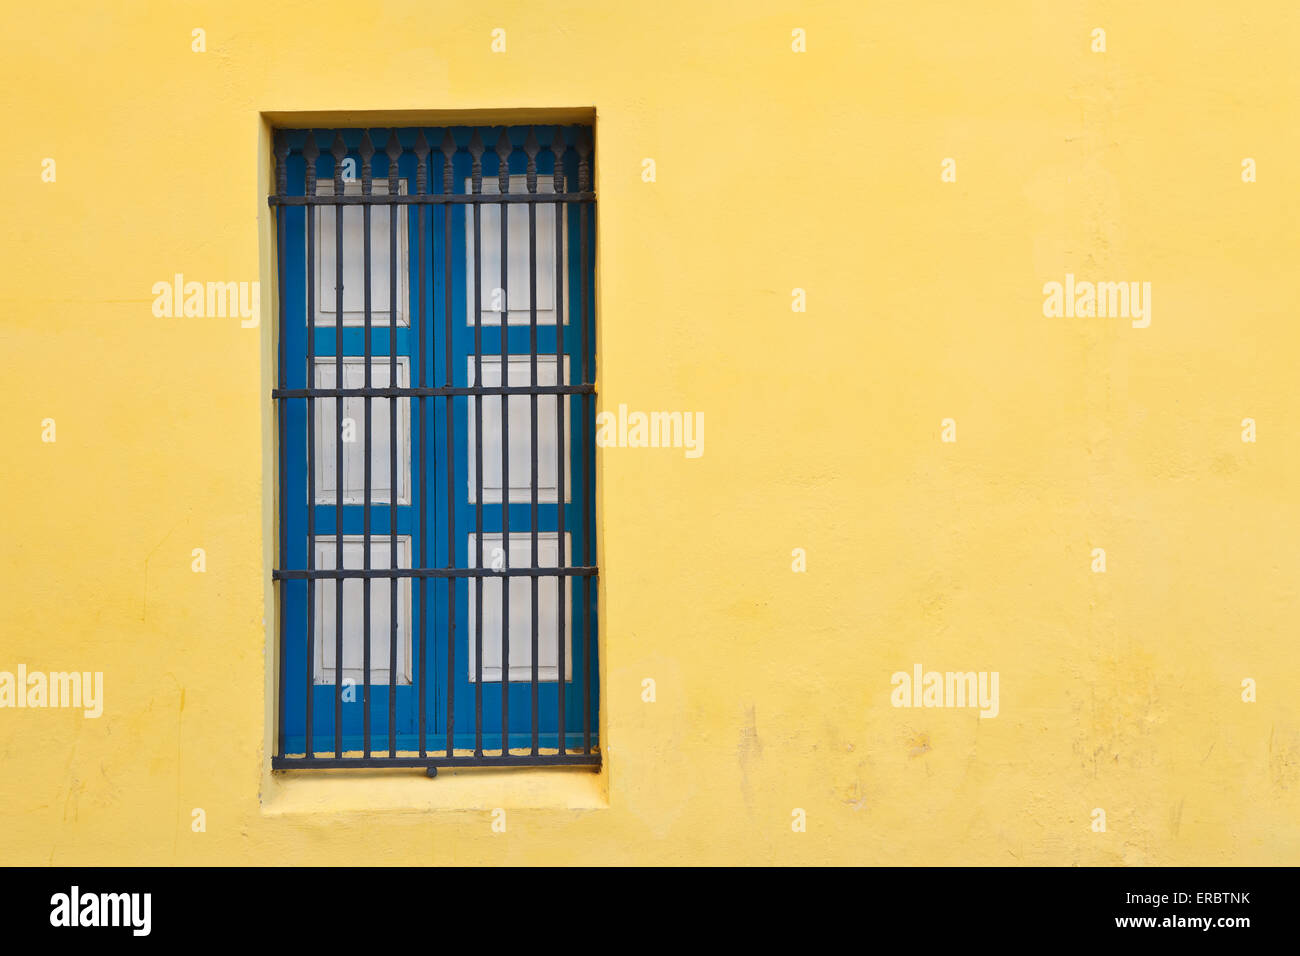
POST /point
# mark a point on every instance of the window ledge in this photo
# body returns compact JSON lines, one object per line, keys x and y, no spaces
{"x":461,"y":788}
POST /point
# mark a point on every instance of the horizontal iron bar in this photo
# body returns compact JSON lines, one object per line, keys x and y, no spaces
{"x":417,"y":391}
{"x":432,"y":199}
{"x":315,"y":574}
{"x":514,"y":760}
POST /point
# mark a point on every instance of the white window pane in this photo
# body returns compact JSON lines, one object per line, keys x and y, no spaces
{"x":353,"y":610}
{"x":515,"y":294}
{"x":353,"y":259}
{"x":521,"y":609}
{"x":354,"y":436}
{"x":521,"y":440}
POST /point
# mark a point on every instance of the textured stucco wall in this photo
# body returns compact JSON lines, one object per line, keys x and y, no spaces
{"x":775,"y":170}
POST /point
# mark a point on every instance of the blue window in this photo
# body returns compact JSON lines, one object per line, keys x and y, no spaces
{"x":436,"y":422}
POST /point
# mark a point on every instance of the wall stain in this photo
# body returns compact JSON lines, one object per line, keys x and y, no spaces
{"x":749,"y":750}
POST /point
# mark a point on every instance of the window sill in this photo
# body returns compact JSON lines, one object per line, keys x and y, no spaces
{"x":319,"y":792}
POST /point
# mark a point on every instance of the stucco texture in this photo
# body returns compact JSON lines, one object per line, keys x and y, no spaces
{"x":775,"y":170}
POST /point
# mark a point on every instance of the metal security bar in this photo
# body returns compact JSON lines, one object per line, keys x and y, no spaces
{"x":431,"y":329}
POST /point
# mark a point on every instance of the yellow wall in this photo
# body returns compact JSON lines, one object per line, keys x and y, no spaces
{"x":775,"y":170}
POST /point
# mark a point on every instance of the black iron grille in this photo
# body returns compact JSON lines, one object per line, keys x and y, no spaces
{"x":429,"y":328}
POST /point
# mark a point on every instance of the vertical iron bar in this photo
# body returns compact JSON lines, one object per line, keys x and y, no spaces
{"x":476,"y":178}
{"x":503,"y":185}
{"x":531,"y":147}
{"x":367,"y":189}
{"x":561,"y":406}
{"x":339,"y":151}
{"x":421,"y":186}
{"x":281,"y":188}
{"x":584,"y":181}
{"x":309,"y":152}
{"x":448,"y":153}
{"x":394,"y":149}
